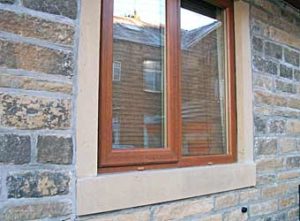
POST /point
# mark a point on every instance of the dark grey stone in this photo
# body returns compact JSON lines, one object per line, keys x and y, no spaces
{"x":265,"y":65}
{"x":14,"y":149}
{"x":257,"y":44}
{"x":260,"y":125}
{"x":66,"y":8}
{"x":293,"y":162}
{"x":286,"y":72}
{"x":7,"y":1}
{"x":285,"y":87}
{"x":37,"y":184}
{"x":277,"y":126}
{"x":36,"y":211}
{"x":297,"y":75}
{"x":273,"y":50}
{"x":266,"y":146}
{"x":56,"y":150}
{"x":291,"y":57}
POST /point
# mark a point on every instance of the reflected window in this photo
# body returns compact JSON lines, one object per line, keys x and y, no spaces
{"x":117,"y":68}
{"x":152,"y":76}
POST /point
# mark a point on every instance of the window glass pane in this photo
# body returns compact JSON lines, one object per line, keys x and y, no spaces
{"x":203,"y":79}
{"x":138,"y":44}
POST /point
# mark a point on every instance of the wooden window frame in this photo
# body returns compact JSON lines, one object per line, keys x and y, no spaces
{"x":110,"y":160}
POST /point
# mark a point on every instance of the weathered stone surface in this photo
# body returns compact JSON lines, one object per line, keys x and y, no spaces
{"x":274,"y":191}
{"x":14,"y":149}
{"x":140,"y":215}
{"x":272,"y":164}
{"x":269,"y":98}
{"x":294,"y":103}
{"x":36,"y":211}
{"x":260,"y":125}
{"x":26,"y":112}
{"x":217,"y":217}
{"x":273,"y":50}
{"x":179,"y":210}
{"x":291,"y":57}
{"x":66,"y":8}
{"x":293,"y":162}
{"x":286,"y":72}
{"x":7,"y":1}
{"x":249,"y":195}
{"x":285,"y":87}
{"x":293,"y":213}
{"x":264,"y":65}
{"x":263,"y":208}
{"x":286,"y":202}
{"x":37,"y":184}
{"x":257,"y":44}
{"x":235,"y":215}
{"x":287,"y":145}
{"x":266,"y":146}
{"x":287,"y":175}
{"x":56,"y":150}
{"x":227,"y":200}
{"x":297,"y":75}
{"x":277,"y":126}
{"x":28,"y":83}
{"x":293,"y":127}
{"x":28,"y":26}
{"x":35,"y":58}
{"x":263,"y":81}
{"x":265,"y":179}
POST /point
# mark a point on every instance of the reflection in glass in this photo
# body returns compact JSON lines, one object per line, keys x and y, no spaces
{"x":138,"y":95}
{"x":203,"y":73}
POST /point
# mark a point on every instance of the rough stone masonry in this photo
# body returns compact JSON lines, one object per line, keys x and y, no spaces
{"x":38,"y":63}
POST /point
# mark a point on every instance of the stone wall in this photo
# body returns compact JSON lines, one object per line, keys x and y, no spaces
{"x":275,"y":36}
{"x":38,"y":46}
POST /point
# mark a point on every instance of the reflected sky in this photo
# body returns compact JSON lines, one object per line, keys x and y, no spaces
{"x":153,"y":12}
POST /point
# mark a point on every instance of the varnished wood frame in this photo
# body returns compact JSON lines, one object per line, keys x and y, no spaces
{"x":139,"y":159}
{"x":137,"y":156}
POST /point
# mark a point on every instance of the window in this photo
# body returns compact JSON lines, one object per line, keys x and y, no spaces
{"x":152,"y":76}
{"x":117,"y":71}
{"x":184,"y":50}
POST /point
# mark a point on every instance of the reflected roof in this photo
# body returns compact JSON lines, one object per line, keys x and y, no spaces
{"x":137,"y":31}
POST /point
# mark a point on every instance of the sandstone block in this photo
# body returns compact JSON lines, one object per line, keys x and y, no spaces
{"x":36,"y":211}
{"x":285,"y":87}
{"x":28,"y":83}
{"x":33,"y":27}
{"x":179,"y":210}
{"x":227,"y":200}
{"x":263,"y":208}
{"x":35,"y":58}
{"x":266,"y":146}
{"x":26,"y":112}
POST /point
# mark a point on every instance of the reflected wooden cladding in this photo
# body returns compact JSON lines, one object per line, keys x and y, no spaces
{"x":111,"y":160}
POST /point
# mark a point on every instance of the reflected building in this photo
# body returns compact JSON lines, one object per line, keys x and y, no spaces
{"x":139,"y":84}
